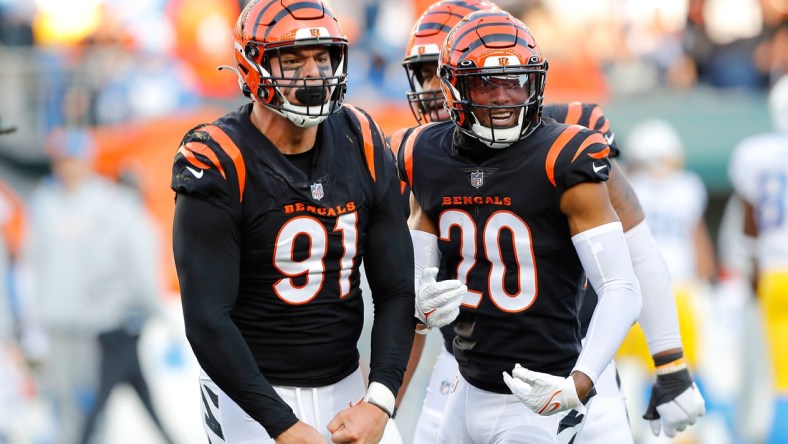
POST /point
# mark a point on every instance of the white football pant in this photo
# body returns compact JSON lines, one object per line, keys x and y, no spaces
{"x":315,"y":406}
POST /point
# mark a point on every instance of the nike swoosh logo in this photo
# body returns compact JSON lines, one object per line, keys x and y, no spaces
{"x":610,"y":138}
{"x":197,"y":174}
{"x":596,"y":168}
{"x":553,"y":406}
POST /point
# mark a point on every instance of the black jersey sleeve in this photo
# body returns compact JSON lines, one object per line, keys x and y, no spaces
{"x":206,"y":244}
{"x":209,"y":165}
{"x":388,"y":260}
{"x":388,"y":263}
{"x":589,"y":115}
{"x":581,"y":156}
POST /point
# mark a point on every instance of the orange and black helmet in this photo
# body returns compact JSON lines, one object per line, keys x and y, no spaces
{"x":488,"y":48}
{"x":266,"y":27}
{"x":424,"y":46}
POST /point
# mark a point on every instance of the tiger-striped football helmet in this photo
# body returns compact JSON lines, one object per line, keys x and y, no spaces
{"x":266,"y":31}
{"x":492,"y":77}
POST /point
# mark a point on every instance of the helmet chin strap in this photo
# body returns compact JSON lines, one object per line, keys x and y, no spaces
{"x":504,"y":137}
{"x":299,"y":115}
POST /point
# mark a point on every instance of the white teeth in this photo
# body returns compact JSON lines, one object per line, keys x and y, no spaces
{"x":501,"y":115}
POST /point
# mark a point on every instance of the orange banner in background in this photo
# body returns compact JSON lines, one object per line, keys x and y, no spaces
{"x":147,"y":149}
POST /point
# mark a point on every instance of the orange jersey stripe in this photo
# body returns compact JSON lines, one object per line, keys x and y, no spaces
{"x":595,"y":138}
{"x":596,"y":114}
{"x":409,"y":152}
{"x":366,"y":134}
{"x":203,"y":149}
{"x":573,"y":112}
{"x":229,"y":147}
{"x":192,"y":159}
{"x":396,"y":140}
{"x":555,"y":150}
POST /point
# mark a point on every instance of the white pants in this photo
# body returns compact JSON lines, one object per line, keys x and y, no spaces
{"x":444,"y":373}
{"x":607,"y":422}
{"x":315,"y":406}
{"x":477,"y":416}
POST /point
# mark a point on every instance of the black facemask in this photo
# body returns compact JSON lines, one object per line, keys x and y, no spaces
{"x":311,"y":95}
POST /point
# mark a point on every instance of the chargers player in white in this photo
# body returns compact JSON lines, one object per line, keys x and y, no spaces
{"x":758,"y":170}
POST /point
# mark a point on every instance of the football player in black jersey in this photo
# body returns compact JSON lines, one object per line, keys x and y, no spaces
{"x":608,"y":420}
{"x":517,"y":208}
{"x":276,"y":205}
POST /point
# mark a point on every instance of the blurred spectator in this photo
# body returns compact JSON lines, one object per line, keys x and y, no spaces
{"x":12,"y":374}
{"x":124,"y":312}
{"x":88,"y":258}
{"x":722,"y":36}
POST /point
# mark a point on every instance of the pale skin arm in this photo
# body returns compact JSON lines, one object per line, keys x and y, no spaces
{"x":362,"y":423}
{"x":300,"y":433}
{"x":586,"y":205}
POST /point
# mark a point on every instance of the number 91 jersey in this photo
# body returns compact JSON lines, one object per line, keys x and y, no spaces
{"x":299,"y":306}
{"x":501,"y":231}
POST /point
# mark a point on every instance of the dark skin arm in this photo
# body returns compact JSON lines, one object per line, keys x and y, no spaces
{"x":627,"y":206}
{"x":751,"y":230}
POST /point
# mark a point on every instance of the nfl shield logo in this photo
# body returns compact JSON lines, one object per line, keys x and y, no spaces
{"x":477,"y":179}
{"x":317,"y":191}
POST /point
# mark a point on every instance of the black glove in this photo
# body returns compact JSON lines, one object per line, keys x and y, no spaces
{"x":675,"y":403}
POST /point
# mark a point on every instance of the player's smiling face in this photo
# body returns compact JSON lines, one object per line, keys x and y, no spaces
{"x":499,"y":99}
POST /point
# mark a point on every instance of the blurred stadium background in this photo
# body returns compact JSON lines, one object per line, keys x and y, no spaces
{"x":140,"y":73}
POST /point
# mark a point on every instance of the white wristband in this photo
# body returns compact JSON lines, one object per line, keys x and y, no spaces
{"x":380,"y":395}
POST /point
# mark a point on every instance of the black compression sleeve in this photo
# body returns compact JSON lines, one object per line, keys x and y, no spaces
{"x":388,"y":261}
{"x":206,"y":243}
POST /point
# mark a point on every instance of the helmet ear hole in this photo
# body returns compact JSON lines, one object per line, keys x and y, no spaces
{"x":444,"y":72}
{"x":246,"y":91}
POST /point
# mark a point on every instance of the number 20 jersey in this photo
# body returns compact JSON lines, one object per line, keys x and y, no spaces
{"x":501,"y":231}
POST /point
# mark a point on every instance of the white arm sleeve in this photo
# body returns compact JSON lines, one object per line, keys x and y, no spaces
{"x":658,"y":317}
{"x":425,"y":253}
{"x":603,"y":252}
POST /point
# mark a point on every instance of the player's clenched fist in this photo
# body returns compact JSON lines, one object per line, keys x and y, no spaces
{"x":438,"y":303}
{"x":544,"y":394}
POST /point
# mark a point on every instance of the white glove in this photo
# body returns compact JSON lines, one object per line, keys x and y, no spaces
{"x":544,"y":394}
{"x":438,"y":303}
{"x":679,"y":413}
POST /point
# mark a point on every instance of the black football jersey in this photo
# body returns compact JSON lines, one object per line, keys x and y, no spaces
{"x":588,"y":115}
{"x":299,"y":306}
{"x":503,"y":234}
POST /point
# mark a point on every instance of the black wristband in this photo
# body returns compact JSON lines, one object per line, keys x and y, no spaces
{"x":668,"y":358}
